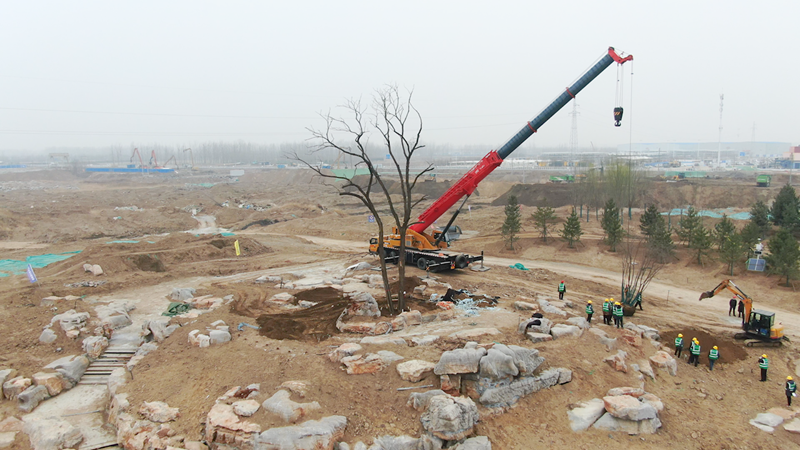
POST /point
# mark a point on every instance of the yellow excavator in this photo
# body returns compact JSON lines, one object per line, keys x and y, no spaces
{"x":760,"y":327}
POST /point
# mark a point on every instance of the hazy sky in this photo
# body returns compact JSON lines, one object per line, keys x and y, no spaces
{"x":95,"y":73}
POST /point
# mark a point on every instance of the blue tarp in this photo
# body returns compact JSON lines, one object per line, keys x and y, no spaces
{"x":17,"y":267}
{"x":716,"y":214}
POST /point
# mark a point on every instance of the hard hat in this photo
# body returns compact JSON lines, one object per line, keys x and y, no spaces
{"x":715,"y":348}
{"x":617,"y":303}
{"x":789,"y":378}
{"x":763,"y":356}
{"x":562,"y":281}
{"x":589,"y":301}
{"x":612,"y":299}
{"x":680,"y":335}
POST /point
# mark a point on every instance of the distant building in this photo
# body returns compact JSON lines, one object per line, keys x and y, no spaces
{"x":707,"y":150}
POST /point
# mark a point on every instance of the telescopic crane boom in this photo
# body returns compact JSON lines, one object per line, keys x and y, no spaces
{"x":419,"y":241}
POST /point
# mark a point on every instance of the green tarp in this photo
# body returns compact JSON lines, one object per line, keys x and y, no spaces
{"x":176,"y":308}
{"x":17,"y":267}
{"x":518,"y":266}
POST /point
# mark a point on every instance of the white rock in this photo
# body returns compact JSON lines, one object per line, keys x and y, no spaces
{"x":51,"y":433}
{"x":425,"y":340}
{"x":762,"y":427}
{"x":245,"y":408}
{"x":414,"y":370}
{"x":389,"y":357}
{"x":769,"y":419}
{"x":585,"y":414}
{"x":48,"y":336}
{"x":158,"y":412}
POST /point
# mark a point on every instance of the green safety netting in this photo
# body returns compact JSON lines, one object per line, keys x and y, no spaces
{"x":17,"y":267}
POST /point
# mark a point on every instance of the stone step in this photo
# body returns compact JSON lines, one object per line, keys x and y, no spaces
{"x":107,"y":445}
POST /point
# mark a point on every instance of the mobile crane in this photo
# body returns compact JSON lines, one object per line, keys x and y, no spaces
{"x":760,"y":327}
{"x":426,"y":250}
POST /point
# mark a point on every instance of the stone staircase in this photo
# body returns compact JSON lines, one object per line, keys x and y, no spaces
{"x":112,"y":358}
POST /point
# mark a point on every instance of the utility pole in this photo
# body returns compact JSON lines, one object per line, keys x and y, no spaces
{"x":719,"y":141}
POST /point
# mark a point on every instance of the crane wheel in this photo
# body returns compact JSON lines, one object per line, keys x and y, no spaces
{"x":422,"y":264}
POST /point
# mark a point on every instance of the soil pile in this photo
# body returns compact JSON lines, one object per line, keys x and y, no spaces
{"x":316,"y":323}
{"x":554,"y":195}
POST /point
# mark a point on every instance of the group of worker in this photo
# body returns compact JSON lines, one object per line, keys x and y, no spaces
{"x":713,"y":356}
{"x":610,"y":309}
{"x":694,"y":352}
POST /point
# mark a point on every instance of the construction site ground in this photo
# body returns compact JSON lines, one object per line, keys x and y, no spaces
{"x":293,"y":225}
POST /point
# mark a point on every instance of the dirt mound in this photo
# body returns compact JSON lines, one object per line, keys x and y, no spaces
{"x":729,"y":350}
{"x":316,"y":323}
{"x":550,"y":194}
{"x":158,"y":256}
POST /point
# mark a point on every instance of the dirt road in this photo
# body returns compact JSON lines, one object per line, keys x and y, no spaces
{"x":675,"y":302}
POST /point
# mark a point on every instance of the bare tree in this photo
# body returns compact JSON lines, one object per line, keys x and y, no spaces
{"x":399,"y":125}
{"x":639,"y":266}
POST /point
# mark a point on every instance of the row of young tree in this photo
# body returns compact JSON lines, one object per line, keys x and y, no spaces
{"x":723,"y":241}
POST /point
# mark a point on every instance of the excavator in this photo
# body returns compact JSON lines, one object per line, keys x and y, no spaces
{"x":760,"y":327}
{"x":427,"y":249}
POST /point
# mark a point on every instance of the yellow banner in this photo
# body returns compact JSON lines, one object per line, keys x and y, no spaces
{"x":236,"y":246}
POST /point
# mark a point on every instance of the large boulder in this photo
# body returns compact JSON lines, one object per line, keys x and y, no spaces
{"x":414,"y":370}
{"x":769,"y":419}
{"x":158,"y":412}
{"x":630,"y":408}
{"x":617,"y":361}
{"x":51,"y":433}
{"x":633,"y":392}
{"x":526,"y":306}
{"x":527,"y":360}
{"x":507,"y":395}
{"x":412,"y":317}
{"x":15,"y":386}
{"x":561,"y":331}
{"x":48,"y":336}
{"x":534,"y":325}
{"x":665,"y":361}
{"x":548,"y":308}
{"x":290,"y":411}
{"x":538,"y":337}
{"x":31,"y":397}
{"x":71,"y":367}
{"x":363,"y":304}
{"x":361,"y":364}
{"x":476,"y":443}
{"x":611,"y":423}
{"x":245,"y":408}
{"x":585,"y":414}
{"x":53,"y":381}
{"x":458,"y":361}
{"x":498,"y":365}
{"x":450,"y":418}
{"x":420,"y":400}
{"x":320,"y":434}
{"x":579,"y":322}
{"x":348,"y":349}
{"x":793,"y":426}
{"x":94,"y":346}
{"x":182,"y":294}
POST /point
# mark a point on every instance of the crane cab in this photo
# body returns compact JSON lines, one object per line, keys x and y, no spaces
{"x":762,"y":324}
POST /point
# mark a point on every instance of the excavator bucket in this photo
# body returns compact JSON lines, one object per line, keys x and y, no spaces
{"x":707,"y":294}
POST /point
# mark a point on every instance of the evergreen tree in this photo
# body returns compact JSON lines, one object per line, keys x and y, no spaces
{"x":687,"y":226}
{"x":722,"y":230}
{"x":784,"y":209}
{"x":543,"y":220}
{"x":759,"y":214}
{"x":572,"y":229}
{"x":701,"y":240}
{"x":648,"y":220}
{"x":612,"y":225}
{"x":784,"y":257}
{"x":512,"y":224}
{"x":750,"y":234}
{"x":660,"y":241}
{"x":732,"y":250}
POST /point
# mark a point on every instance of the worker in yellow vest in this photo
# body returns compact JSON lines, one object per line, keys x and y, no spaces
{"x":607,"y":311}
{"x":713,"y":356}
{"x":589,"y":311}
{"x":763,"y":364}
{"x":791,"y":388}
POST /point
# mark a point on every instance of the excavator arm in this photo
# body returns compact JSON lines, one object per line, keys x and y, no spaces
{"x":731,"y":286}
